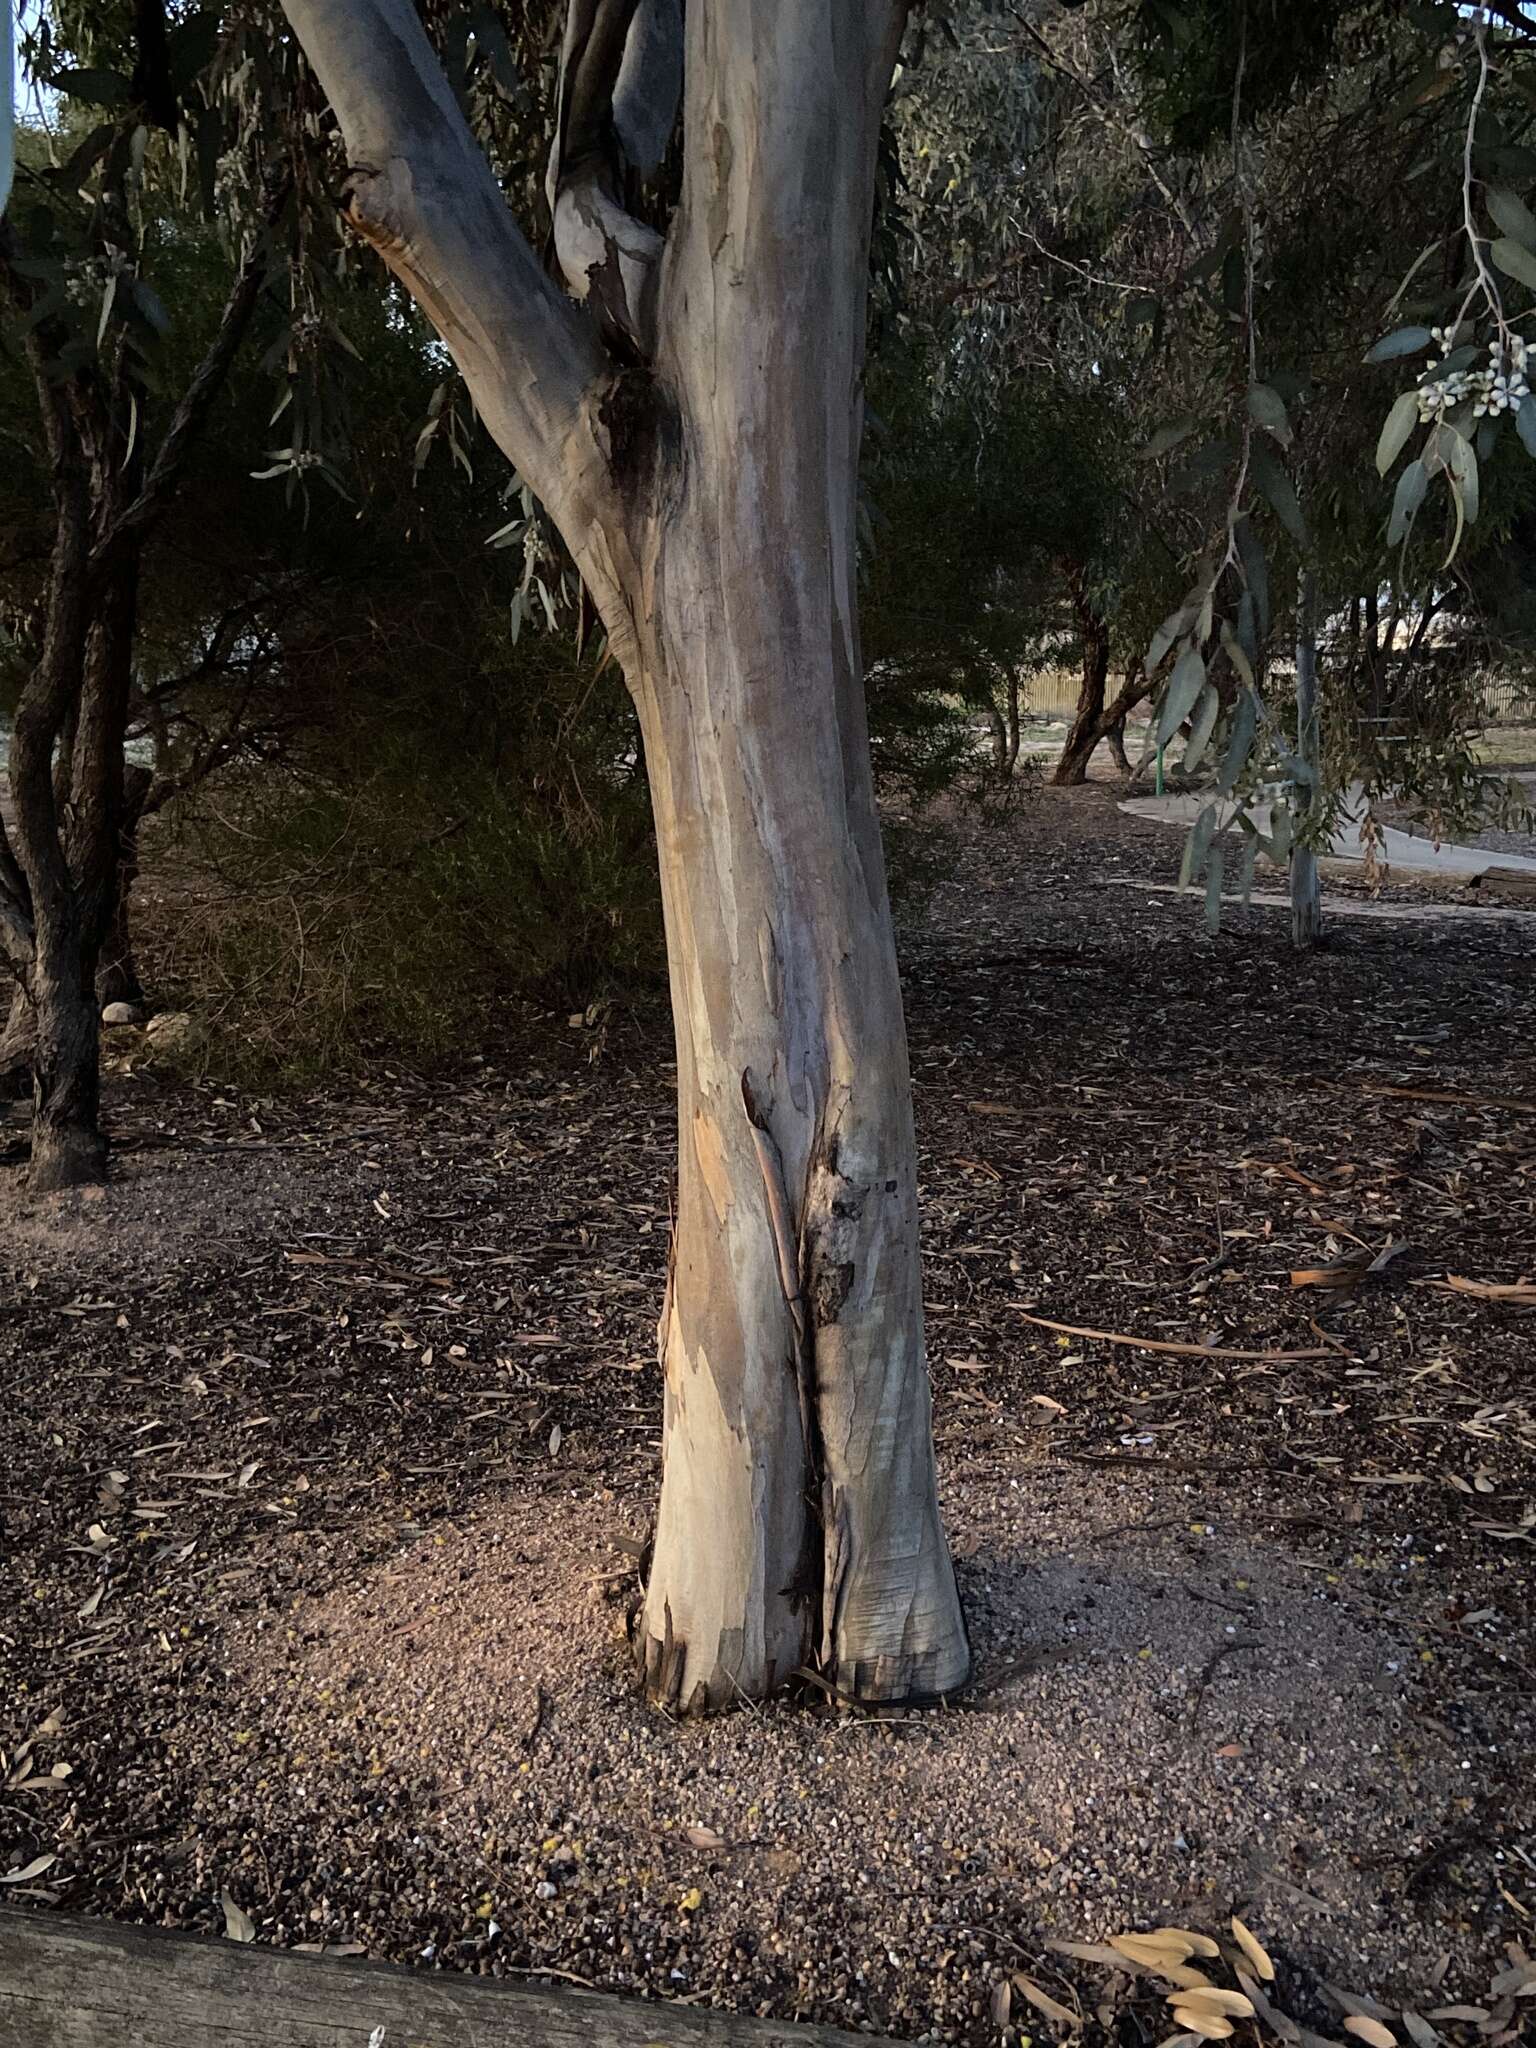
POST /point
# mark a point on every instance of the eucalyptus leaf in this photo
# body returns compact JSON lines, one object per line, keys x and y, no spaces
{"x":1411,"y":486}
{"x":1512,"y":216}
{"x":1184,"y":686}
{"x":1237,"y":654}
{"x":1250,"y":552}
{"x":1173,"y":628}
{"x":1276,"y":485}
{"x":1245,"y":873}
{"x":1525,"y":426}
{"x":1464,"y":469}
{"x":1169,"y":436}
{"x":1403,"y":341}
{"x":1461,"y":358}
{"x":1514,"y":259}
{"x":1245,"y":722}
{"x":1197,"y":844}
{"x":1204,"y":724}
{"x":1400,"y":423}
{"x":1267,"y":409}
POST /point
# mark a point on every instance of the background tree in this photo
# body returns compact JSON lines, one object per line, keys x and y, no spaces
{"x":73,"y":252}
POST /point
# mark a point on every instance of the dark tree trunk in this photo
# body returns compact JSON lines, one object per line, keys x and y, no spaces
{"x":16,"y":1042}
{"x":68,"y":1148}
{"x":66,"y":769}
{"x":117,"y":973}
{"x":1088,"y":722}
{"x":1005,"y":724}
{"x":1306,"y":890}
{"x":1116,"y":738}
{"x":78,"y":867}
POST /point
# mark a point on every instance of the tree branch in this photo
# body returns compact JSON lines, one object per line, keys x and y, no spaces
{"x":421,"y":192}
{"x":621,"y":70}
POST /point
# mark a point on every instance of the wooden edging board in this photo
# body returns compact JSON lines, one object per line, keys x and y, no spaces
{"x":68,"y":1982}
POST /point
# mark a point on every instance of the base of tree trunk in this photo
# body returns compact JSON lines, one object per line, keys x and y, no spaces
{"x":1306,"y":902}
{"x":65,"y":1158}
{"x":1071,"y":771}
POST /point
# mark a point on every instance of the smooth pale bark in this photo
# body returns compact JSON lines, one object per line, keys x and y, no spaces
{"x":709,"y":499}
{"x":1306,"y":888}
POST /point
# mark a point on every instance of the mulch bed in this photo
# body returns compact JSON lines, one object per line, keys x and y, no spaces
{"x":329,"y":1432}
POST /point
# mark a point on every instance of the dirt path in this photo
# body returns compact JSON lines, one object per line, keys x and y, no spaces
{"x":328,"y":1433}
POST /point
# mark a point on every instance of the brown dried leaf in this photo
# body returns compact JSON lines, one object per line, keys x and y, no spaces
{"x":1042,"y":2001}
{"x":1519,"y":1293}
{"x":1210,"y":2026}
{"x":1093,"y":1952}
{"x":1342,"y":1273}
{"x":1254,"y":1950}
{"x":1153,"y":1950}
{"x":1212,"y":1998}
{"x":1364,"y":2028}
{"x":238,"y":1924}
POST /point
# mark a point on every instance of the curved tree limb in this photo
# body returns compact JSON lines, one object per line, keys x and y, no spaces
{"x":420,"y":190}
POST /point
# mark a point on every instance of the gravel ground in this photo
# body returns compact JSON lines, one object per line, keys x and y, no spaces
{"x":328,"y":1436}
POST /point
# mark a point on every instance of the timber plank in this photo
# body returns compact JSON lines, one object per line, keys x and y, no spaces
{"x":68,"y":1982}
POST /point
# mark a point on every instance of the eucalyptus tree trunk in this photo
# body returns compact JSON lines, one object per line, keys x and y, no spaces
{"x":1306,"y":888}
{"x":697,"y":443}
{"x":1088,"y":725}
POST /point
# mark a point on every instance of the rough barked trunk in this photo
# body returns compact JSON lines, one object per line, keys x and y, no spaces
{"x":16,"y":1049}
{"x":1306,"y":888}
{"x":1085,"y":732}
{"x":1005,"y":724}
{"x":1116,"y":739}
{"x":68,"y":1148}
{"x":1088,"y":724}
{"x":117,"y":972}
{"x":709,"y":498}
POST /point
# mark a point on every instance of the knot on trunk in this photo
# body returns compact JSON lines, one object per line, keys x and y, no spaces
{"x":634,"y":426}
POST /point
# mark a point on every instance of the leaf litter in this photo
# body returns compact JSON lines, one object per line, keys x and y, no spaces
{"x":437,"y":1399}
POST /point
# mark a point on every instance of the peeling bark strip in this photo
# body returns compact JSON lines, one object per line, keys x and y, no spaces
{"x":708,"y":493}
{"x":620,"y":79}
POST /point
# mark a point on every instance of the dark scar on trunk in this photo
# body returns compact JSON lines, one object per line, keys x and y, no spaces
{"x":831,"y":1284}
